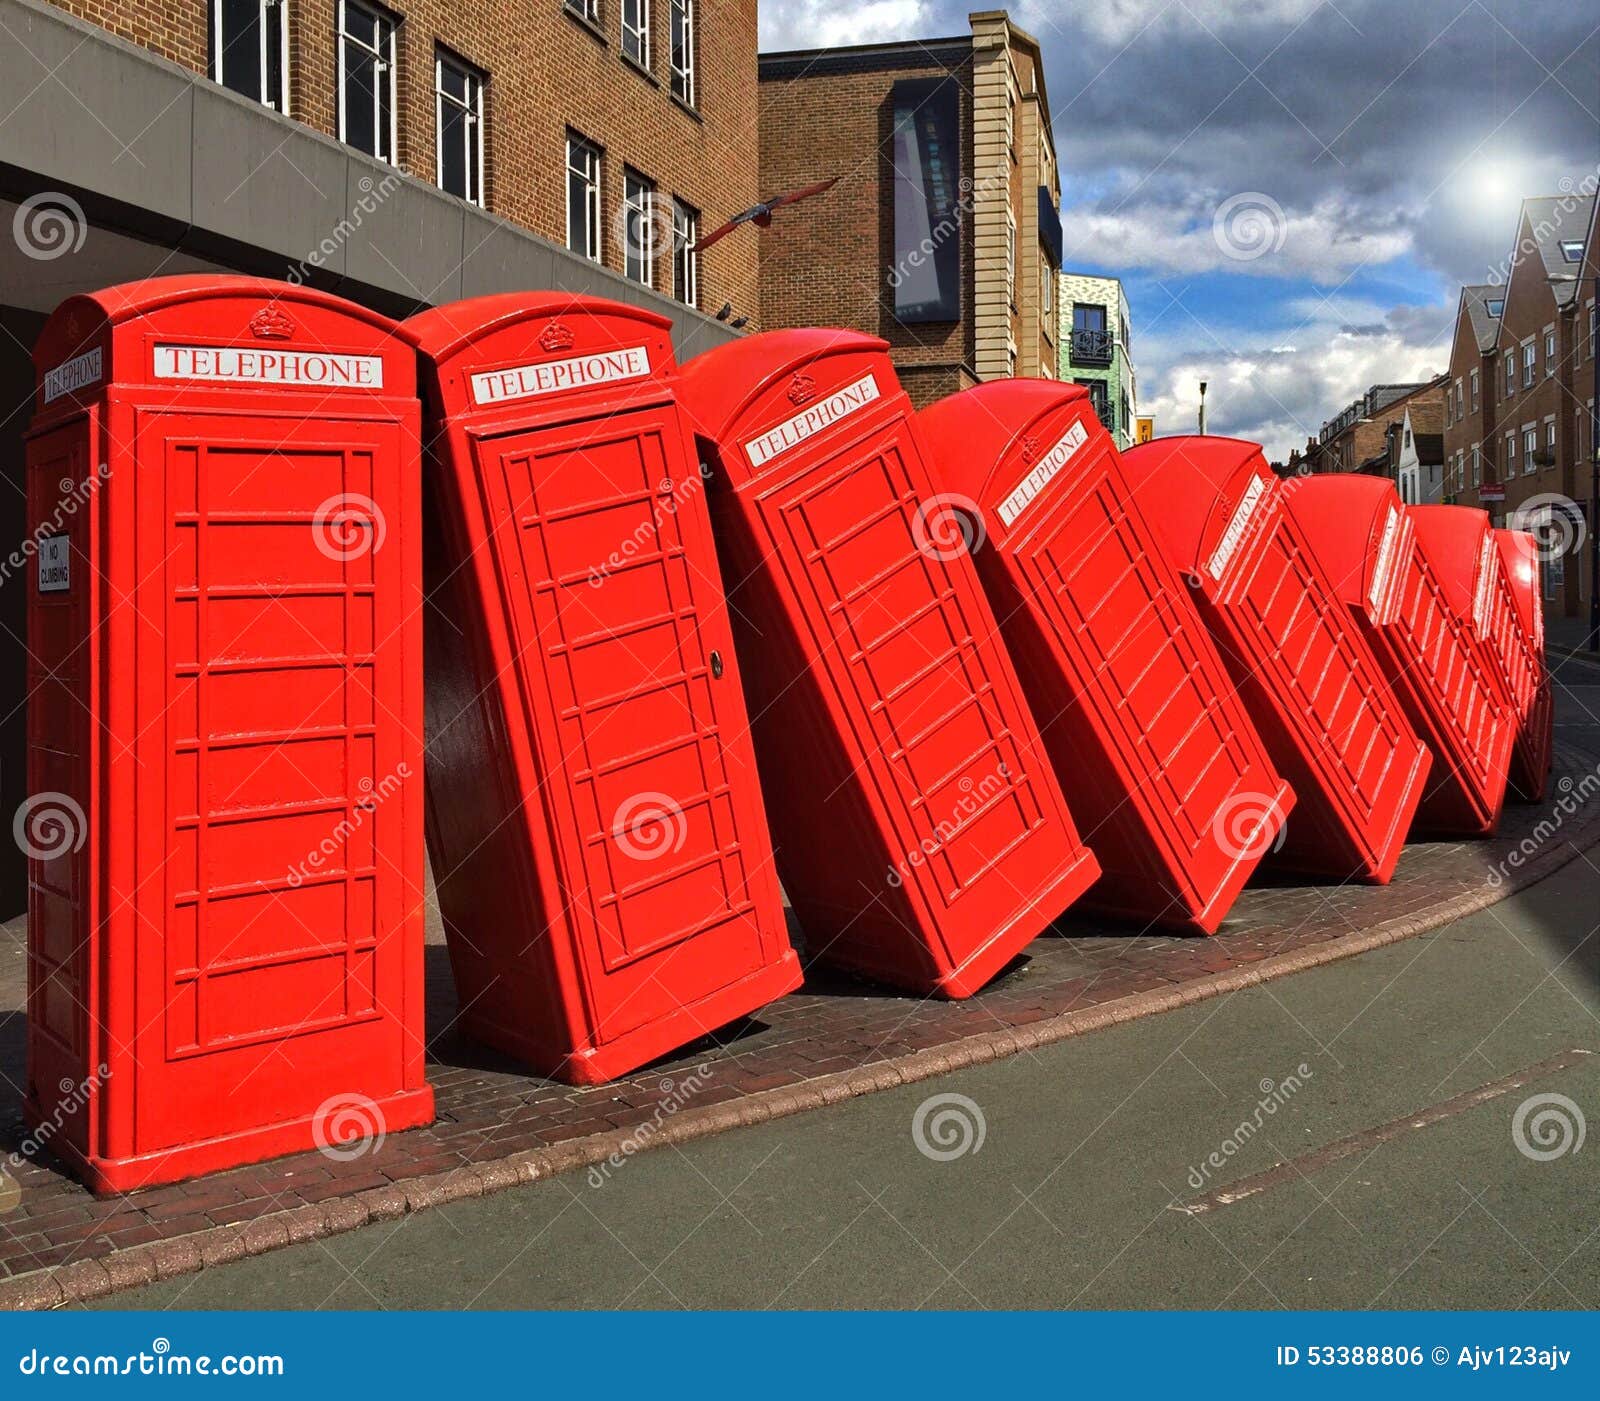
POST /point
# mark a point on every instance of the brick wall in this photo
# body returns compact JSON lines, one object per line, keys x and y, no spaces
{"x":826,"y":263}
{"x":546,"y":71}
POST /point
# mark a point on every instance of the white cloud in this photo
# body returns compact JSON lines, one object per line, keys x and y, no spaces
{"x":819,"y":24}
{"x":1279,"y":394}
{"x":1247,"y":232}
{"x":1118,"y":21}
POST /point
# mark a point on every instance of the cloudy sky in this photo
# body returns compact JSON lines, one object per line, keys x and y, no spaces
{"x":1396,"y":137}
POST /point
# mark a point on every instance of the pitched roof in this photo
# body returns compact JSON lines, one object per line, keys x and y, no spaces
{"x":1485,"y":325}
{"x":1554,"y":220}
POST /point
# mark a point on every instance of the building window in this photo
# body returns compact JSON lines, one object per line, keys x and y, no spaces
{"x":1550,"y":351}
{"x":636,"y":31}
{"x":1099,"y":398}
{"x":685,"y":261}
{"x":638,"y":227}
{"x":1594,"y":322}
{"x":586,"y":10}
{"x":583,"y":197}
{"x":1572,"y":250}
{"x":250,"y":49}
{"x":1511,"y":455}
{"x":1011,"y":257}
{"x":1530,"y":359}
{"x":683,"y":86}
{"x":367,"y":79}
{"x":1047,"y":282}
{"x":1477,"y":464}
{"x":1511,"y":374}
{"x":458,"y":90}
{"x":1550,"y":443}
{"x":1530,"y":451}
{"x":1474,"y":383}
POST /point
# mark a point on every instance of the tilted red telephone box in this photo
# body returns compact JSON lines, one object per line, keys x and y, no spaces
{"x":1523,"y":658}
{"x":1305,"y":673}
{"x":1160,"y":764}
{"x":602,"y":861}
{"x":1367,"y":544}
{"x":922,"y":836}
{"x":1460,"y":542}
{"x":225,"y":925}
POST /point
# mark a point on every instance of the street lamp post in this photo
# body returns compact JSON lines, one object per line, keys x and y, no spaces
{"x":1202,"y":408}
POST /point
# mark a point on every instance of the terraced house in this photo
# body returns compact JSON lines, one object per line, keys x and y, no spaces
{"x":1525,"y":444}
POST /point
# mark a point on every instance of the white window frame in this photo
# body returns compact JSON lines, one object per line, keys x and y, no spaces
{"x":638,"y":202}
{"x":388,"y":64}
{"x":1530,"y":448}
{"x":1473,"y":381}
{"x":1011,"y":258}
{"x":1530,"y":361}
{"x":1550,"y":438}
{"x":685,"y":233}
{"x":266,"y":7}
{"x":684,"y":78}
{"x":595,"y":178}
{"x":1549,"y":351}
{"x":638,"y":32}
{"x":473,"y":108}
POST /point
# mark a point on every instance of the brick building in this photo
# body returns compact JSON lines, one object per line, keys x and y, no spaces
{"x":1095,"y":348}
{"x":1357,"y":438}
{"x":1471,"y":396}
{"x":403,"y":155}
{"x":1531,"y":440}
{"x":943,"y":234}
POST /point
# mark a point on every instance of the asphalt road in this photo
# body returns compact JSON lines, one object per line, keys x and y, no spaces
{"x":1093,"y":1154}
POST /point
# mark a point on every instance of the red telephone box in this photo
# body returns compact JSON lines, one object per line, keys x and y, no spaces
{"x":225,"y":921}
{"x":602,"y":861}
{"x":1158,"y":760}
{"x":1302,"y":668}
{"x":1366,"y":542}
{"x":1532,"y":753}
{"x":922,"y":835}
{"x":1460,"y":540}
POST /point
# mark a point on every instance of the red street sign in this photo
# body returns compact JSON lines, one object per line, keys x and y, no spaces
{"x":1492,"y":492}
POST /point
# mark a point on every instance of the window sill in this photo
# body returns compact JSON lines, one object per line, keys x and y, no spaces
{"x":687,"y":108}
{"x":583,"y":21}
{"x":641,"y":69}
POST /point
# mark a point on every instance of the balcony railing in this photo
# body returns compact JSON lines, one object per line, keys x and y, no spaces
{"x":1092,"y":347}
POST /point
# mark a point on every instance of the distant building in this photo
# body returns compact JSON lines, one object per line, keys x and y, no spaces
{"x":1356,"y":439}
{"x":943,"y":234}
{"x":1416,"y":453}
{"x":1096,"y":350}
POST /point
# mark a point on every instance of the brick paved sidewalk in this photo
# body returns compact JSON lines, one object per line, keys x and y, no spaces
{"x":498,"y":1127}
